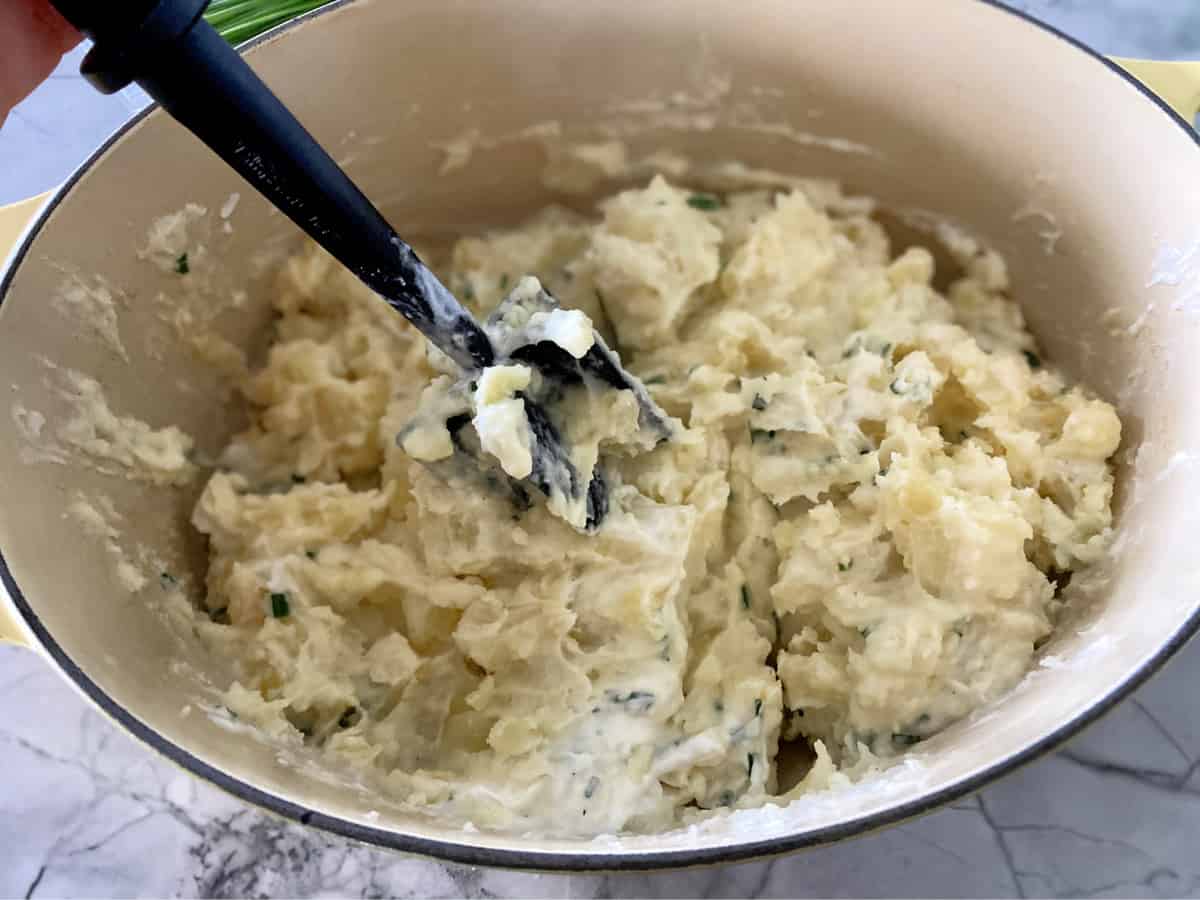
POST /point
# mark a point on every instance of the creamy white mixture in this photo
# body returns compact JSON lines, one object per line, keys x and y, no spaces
{"x":852,"y":539}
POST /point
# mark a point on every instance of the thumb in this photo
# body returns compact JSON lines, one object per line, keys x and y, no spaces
{"x":33,"y":38}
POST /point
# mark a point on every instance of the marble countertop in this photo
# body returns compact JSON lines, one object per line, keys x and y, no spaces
{"x":89,"y":812}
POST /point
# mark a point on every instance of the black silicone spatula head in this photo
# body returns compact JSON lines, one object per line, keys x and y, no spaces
{"x":172,"y":53}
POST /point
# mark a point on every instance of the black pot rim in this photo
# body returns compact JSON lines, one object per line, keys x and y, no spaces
{"x":564,"y":861}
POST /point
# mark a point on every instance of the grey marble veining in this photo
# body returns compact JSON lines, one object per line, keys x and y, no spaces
{"x":90,"y":812}
{"x":86,"y":811}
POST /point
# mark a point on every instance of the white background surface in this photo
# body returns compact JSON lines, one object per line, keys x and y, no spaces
{"x":86,"y":811}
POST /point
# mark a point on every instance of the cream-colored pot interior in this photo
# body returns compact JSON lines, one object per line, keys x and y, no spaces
{"x":1082,"y":180}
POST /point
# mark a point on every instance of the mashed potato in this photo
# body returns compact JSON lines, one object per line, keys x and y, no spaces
{"x":853,"y":538}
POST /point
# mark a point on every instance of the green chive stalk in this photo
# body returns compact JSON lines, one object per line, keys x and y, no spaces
{"x":240,"y":20}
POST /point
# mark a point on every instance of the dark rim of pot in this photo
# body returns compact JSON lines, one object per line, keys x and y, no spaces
{"x":566,"y":860}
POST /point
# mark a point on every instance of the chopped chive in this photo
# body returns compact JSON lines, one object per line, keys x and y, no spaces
{"x":279,"y":605}
{"x":311,"y":554}
{"x":706,"y":202}
{"x":654,"y":379}
{"x":600,"y":302}
{"x":181,"y":264}
{"x":845,"y":566}
{"x":504,"y":282}
{"x":1035,"y":361}
{"x":745,"y":596}
{"x":634,"y":701}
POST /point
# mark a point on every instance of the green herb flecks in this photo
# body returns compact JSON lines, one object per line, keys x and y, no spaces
{"x":1034,"y":361}
{"x":636,"y":702}
{"x":280,"y":608}
{"x":705,"y":202}
{"x":311,"y":554}
{"x":603,"y":308}
{"x":504,"y":282}
{"x":758,"y":402}
{"x":654,"y":379}
{"x":745,"y":596}
{"x":181,"y":264}
{"x":846,"y":566}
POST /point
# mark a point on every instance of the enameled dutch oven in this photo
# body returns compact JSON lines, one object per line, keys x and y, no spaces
{"x":1083,"y":178}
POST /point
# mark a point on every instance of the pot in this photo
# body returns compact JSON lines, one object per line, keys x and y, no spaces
{"x":1060,"y":159}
